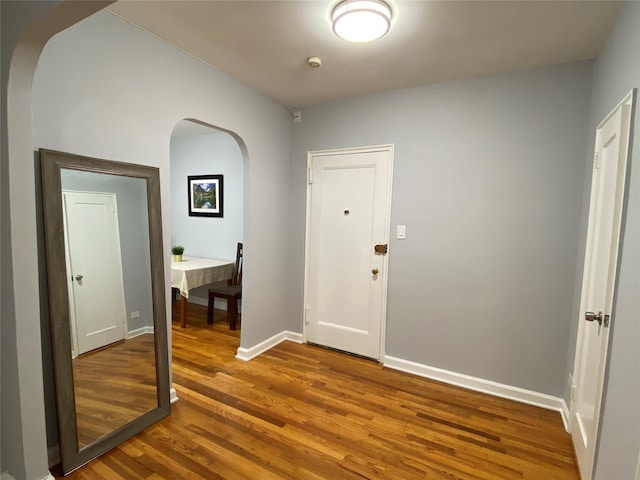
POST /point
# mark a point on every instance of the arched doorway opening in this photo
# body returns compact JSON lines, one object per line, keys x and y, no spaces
{"x":205,"y":156}
{"x":125,"y":110}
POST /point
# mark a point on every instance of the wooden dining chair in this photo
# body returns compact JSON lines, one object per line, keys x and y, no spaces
{"x":231,"y":292}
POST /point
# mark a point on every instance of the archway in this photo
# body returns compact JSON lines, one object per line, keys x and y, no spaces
{"x":199,"y":150}
{"x":127,"y":103}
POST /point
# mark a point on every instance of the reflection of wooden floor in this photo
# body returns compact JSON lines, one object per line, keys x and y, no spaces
{"x":113,"y":386}
{"x":305,"y":413}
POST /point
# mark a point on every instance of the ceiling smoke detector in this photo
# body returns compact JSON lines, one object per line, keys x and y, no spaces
{"x":361,"y":20}
{"x":314,"y":62}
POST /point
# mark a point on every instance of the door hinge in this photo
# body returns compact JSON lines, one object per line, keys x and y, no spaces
{"x":596,"y":160}
{"x":310,"y":175}
{"x":574,"y":388}
{"x":306,"y":315}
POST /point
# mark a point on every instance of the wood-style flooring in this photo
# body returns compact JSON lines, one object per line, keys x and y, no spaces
{"x":113,"y":386}
{"x":306,"y":413}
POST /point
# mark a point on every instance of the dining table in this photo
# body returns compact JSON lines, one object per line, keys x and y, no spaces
{"x":194,"y":272}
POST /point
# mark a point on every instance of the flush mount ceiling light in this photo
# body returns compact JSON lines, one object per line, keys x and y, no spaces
{"x":361,"y":20}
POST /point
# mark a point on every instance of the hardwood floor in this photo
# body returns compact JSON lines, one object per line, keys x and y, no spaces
{"x":306,"y":413}
{"x":114,"y":385}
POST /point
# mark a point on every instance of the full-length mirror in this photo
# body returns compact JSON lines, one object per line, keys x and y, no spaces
{"x":106,"y":292}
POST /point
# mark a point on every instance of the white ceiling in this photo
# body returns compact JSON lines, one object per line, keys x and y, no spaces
{"x":264,"y":44}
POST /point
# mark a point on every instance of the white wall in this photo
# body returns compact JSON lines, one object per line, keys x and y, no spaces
{"x":488,"y":179}
{"x":106,"y":89}
{"x":616,"y":72}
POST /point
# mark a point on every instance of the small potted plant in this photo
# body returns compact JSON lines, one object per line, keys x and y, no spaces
{"x":177,"y":251}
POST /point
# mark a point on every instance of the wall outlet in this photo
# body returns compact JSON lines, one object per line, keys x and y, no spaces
{"x":135,"y":314}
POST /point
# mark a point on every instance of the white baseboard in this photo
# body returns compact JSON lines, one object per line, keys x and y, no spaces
{"x":139,"y":331}
{"x":53,"y":454}
{"x":205,"y":301}
{"x":247,"y":354}
{"x":218,"y":303}
{"x":8,"y":476}
{"x":173,"y":395}
{"x":480,"y":385}
{"x":565,"y":414}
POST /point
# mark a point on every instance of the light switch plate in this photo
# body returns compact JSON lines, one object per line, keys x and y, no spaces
{"x":401,"y":232}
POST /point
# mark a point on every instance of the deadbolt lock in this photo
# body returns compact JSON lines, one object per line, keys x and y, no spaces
{"x":381,"y":248}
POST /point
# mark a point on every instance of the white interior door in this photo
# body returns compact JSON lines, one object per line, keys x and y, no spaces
{"x":96,"y":292}
{"x":598,"y":285}
{"x":349,"y":197}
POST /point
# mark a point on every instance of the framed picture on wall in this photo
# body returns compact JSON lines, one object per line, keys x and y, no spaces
{"x":205,"y":195}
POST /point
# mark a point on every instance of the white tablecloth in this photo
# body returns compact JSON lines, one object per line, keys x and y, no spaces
{"x":194,"y":272}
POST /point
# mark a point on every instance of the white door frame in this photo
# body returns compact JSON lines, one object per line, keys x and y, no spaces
{"x":72,"y":308}
{"x":626,"y":103}
{"x":385,"y":261}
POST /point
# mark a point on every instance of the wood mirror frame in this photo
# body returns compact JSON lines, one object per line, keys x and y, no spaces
{"x":52,"y":164}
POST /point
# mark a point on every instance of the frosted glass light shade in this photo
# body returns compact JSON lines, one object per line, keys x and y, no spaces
{"x":361,"y":20}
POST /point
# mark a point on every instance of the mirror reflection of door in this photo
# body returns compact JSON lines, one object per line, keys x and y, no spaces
{"x":110,"y":301}
{"x":96,"y":292}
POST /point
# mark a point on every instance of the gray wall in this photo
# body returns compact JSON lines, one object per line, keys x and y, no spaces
{"x":23,"y":449}
{"x":488,"y":179}
{"x":210,"y":237}
{"x":615,"y":73}
{"x":133,"y":224}
{"x":106,"y":89}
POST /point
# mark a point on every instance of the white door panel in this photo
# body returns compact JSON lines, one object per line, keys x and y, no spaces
{"x":598,"y":285}
{"x":95,"y":268}
{"x":348,"y":216}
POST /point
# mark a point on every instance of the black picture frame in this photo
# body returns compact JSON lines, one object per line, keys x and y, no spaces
{"x":206,"y":195}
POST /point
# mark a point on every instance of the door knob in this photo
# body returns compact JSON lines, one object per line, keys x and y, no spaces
{"x":590,"y":317}
{"x":374,"y":271}
{"x":79,"y":277}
